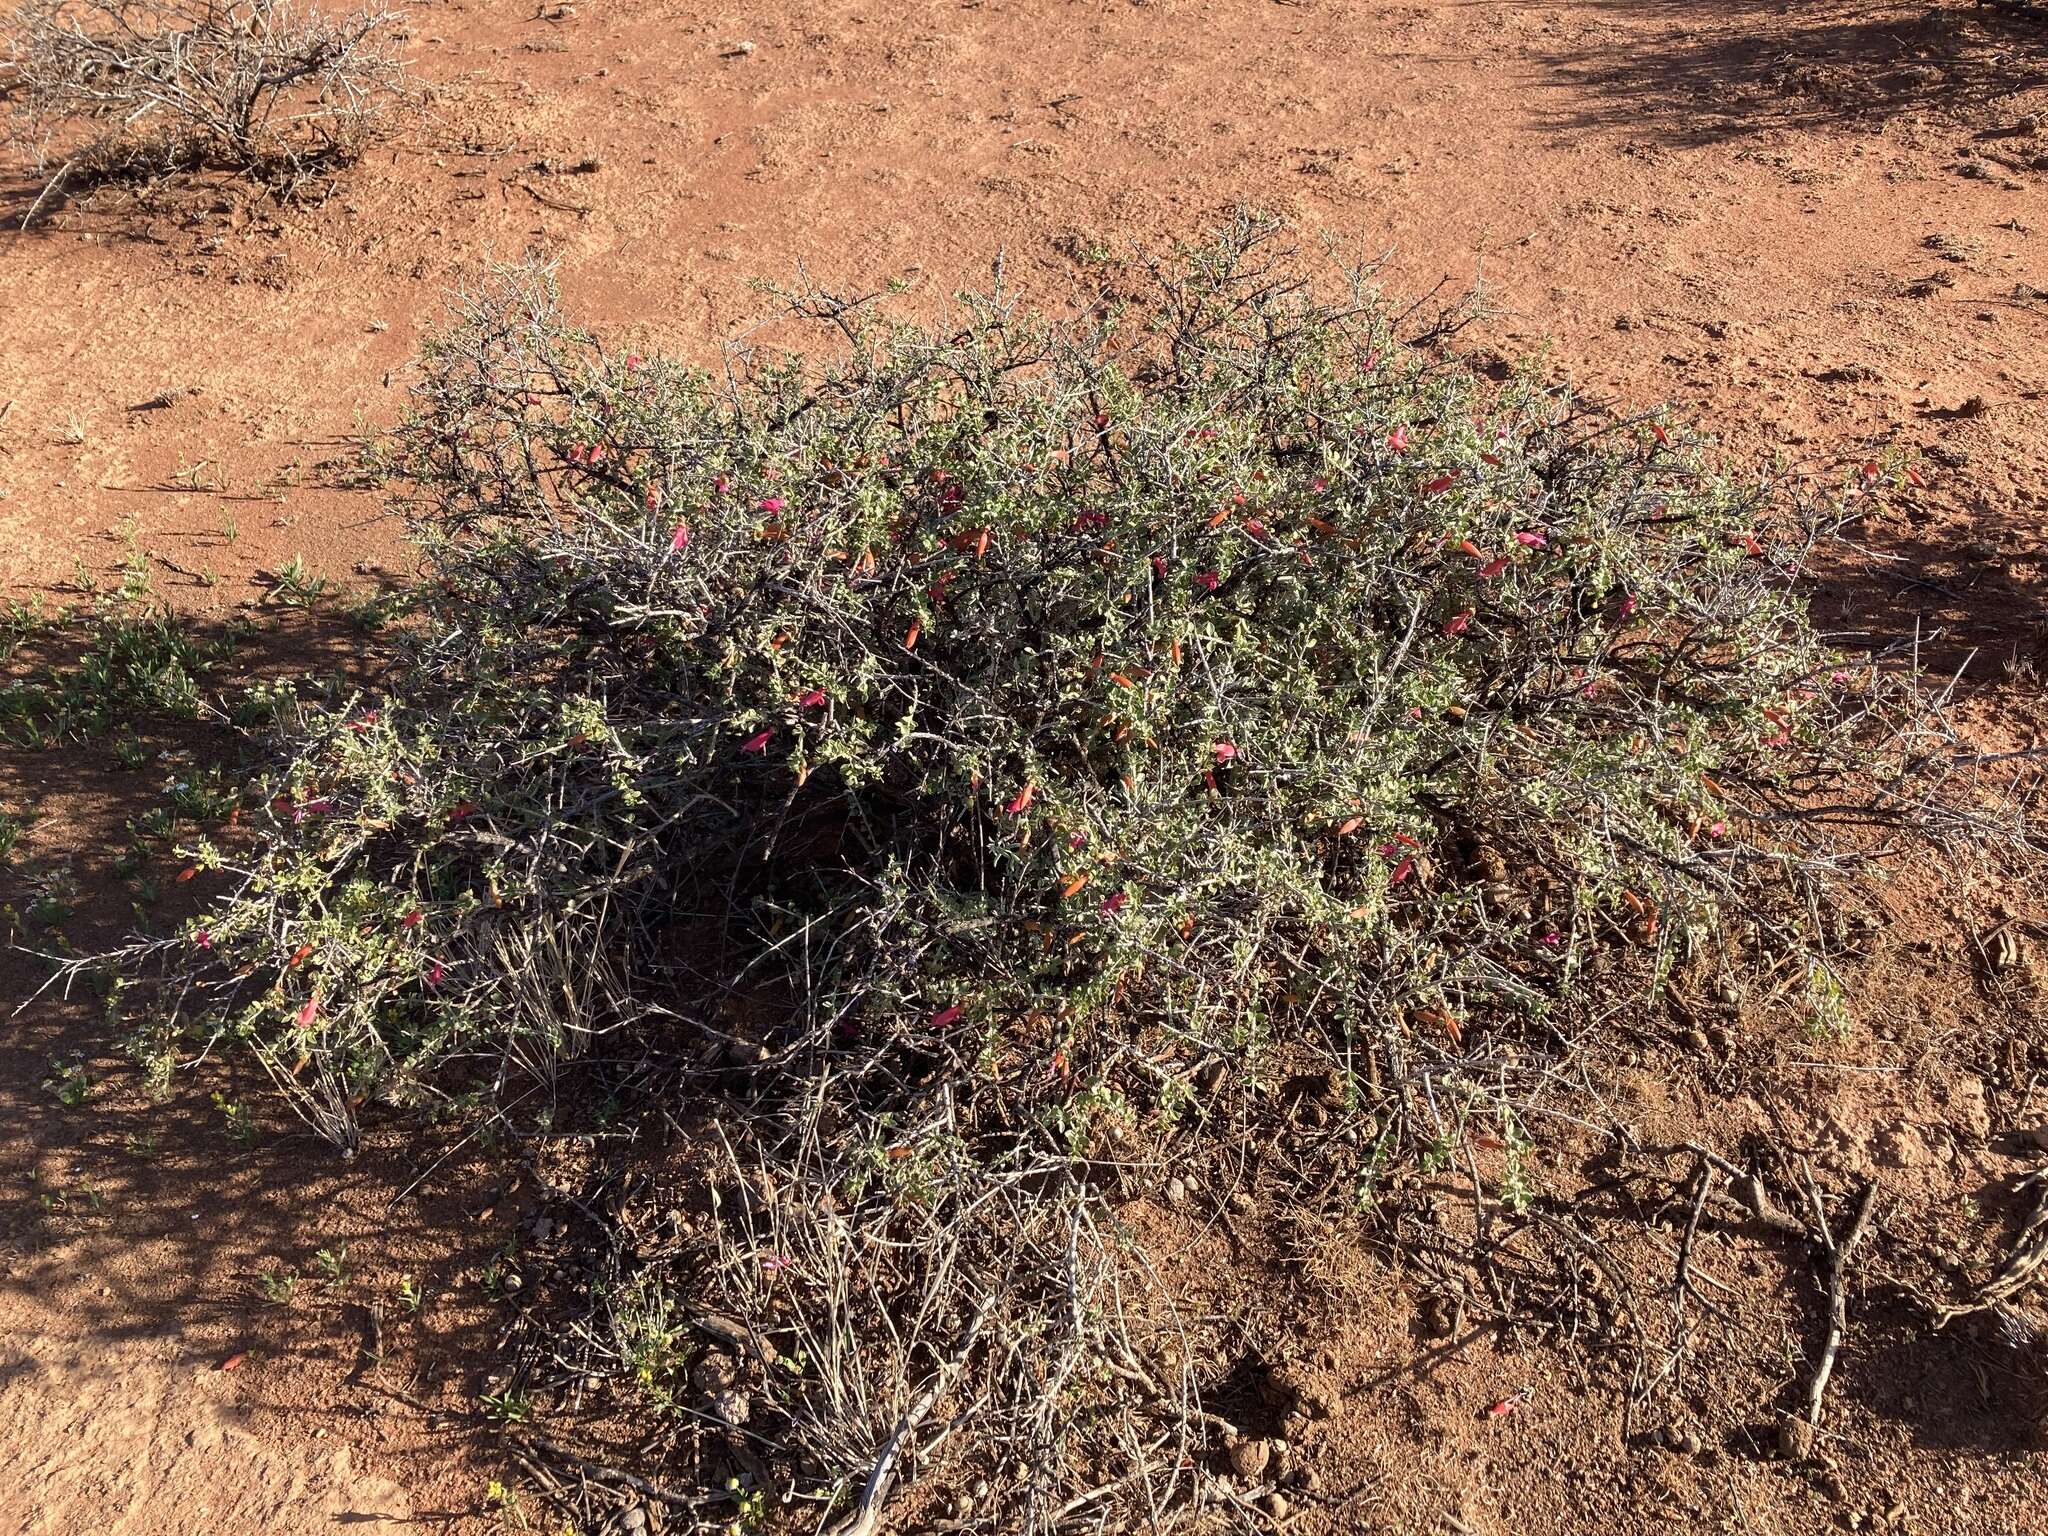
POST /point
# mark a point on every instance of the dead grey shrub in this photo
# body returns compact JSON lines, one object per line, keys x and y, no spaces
{"x":110,"y":87}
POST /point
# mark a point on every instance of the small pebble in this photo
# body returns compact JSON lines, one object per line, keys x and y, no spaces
{"x":1248,"y":1457}
{"x":1795,"y":1439}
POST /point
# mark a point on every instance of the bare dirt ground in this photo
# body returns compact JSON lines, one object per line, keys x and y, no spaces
{"x":1821,"y":229}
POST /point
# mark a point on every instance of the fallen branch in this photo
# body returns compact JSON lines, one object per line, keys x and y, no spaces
{"x":598,"y":1472}
{"x":876,"y":1491}
{"x":1839,"y":1255}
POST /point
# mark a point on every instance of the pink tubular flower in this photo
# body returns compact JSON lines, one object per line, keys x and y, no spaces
{"x":1255,"y":528}
{"x":681,"y":540}
{"x":1159,"y":566}
{"x":1718,"y":829}
{"x":632,"y":359}
{"x":433,"y":974}
{"x":946,"y":1016}
{"x":203,"y":938}
{"x":1022,"y":803}
{"x":309,"y":1012}
{"x":411,"y":919}
{"x":812,"y":700}
{"x":1225,"y":751}
{"x":1459,"y":624}
{"x":1208,"y":581}
{"x":1116,"y":903}
{"x":1528,"y":538}
{"x":1628,"y":605}
{"x":1493,"y":568}
{"x":1553,"y":938}
{"x":758,"y":742}
{"x":1398,"y":438}
{"x":1401,"y":872}
{"x":771,"y":504}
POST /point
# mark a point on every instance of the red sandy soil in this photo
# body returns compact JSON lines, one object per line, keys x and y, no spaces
{"x":1820,"y":229}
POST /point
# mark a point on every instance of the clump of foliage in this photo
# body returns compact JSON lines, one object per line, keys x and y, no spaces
{"x":977,"y":758}
{"x":81,"y":675}
{"x":118,"y":87}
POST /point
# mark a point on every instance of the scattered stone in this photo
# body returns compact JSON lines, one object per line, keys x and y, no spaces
{"x":633,"y":1518}
{"x":733,"y":1407}
{"x":1795,"y":1439}
{"x":1681,"y":1440}
{"x":1248,"y":1457}
{"x":738,"y":50}
{"x":1275,"y":1505}
{"x":1176,"y":1192}
{"x":1441,"y":1315}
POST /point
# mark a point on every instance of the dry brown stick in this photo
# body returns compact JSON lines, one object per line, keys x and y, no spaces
{"x":1839,"y":1255}
{"x":1750,"y":1188}
{"x":599,"y":1472}
{"x":876,"y":1491}
{"x":2029,"y":1257}
{"x":1682,"y":1280}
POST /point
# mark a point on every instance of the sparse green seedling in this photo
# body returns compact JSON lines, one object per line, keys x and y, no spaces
{"x":240,"y":1122}
{"x":12,"y":825}
{"x":69,"y":1082}
{"x":295,"y":586}
{"x":508,"y":1407}
{"x":279,"y":1286}
{"x":333,"y":1266}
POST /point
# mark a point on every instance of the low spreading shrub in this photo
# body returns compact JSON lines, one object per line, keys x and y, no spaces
{"x":982,"y":760}
{"x":108,"y":87}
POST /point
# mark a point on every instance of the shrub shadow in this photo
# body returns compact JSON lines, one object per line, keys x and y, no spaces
{"x":1736,"y":71}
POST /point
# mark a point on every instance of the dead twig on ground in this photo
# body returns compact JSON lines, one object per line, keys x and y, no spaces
{"x":876,"y":1492}
{"x":1839,"y":1257}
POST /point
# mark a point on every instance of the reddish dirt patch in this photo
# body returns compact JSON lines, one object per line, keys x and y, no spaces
{"x":1819,"y":229}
